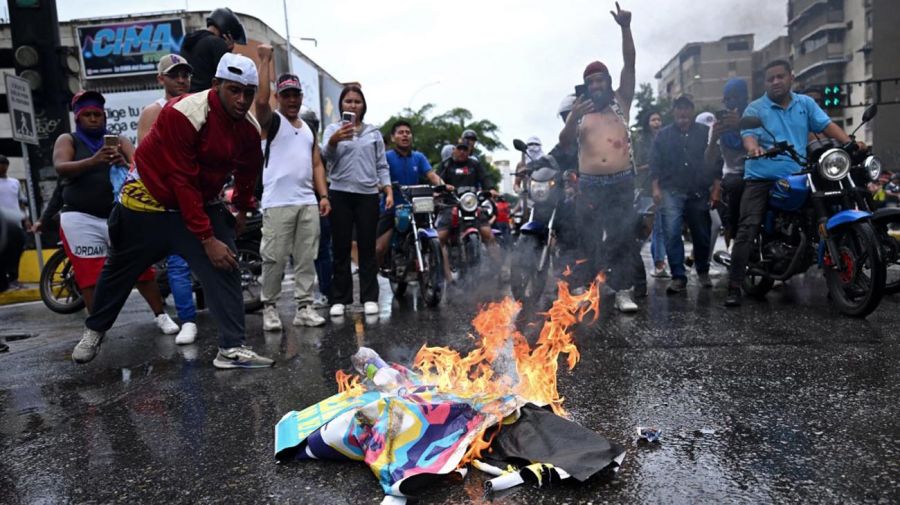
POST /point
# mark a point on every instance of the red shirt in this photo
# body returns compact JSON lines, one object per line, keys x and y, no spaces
{"x":502,"y":212}
{"x":191,"y":150}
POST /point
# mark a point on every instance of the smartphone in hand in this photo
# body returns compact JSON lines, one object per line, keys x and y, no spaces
{"x":110,"y":141}
{"x":348,"y":118}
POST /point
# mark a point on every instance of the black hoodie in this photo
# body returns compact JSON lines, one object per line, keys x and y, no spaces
{"x":203,"y":50}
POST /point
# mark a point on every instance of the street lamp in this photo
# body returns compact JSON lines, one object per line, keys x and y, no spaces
{"x":422,"y":87}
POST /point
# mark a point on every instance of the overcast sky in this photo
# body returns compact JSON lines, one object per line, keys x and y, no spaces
{"x":510,"y":61}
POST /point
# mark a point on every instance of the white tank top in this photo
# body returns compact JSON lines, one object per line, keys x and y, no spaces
{"x":288,"y":178}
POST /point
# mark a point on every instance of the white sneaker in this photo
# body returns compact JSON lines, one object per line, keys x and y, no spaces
{"x":240,"y":357}
{"x":624,"y":302}
{"x":271,"y":319}
{"x":88,"y":346}
{"x":188,"y":334}
{"x":370,"y":308}
{"x":166,"y":325}
{"x":307,"y":316}
{"x":337,"y":310}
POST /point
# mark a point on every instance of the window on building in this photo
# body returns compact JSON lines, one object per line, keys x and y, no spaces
{"x":732,"y":65}
{"x":742,"y":45}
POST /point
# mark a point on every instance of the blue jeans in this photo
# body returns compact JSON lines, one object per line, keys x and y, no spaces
{"x":323,"y":262}
{"x":658,"y":240}
{"x":182,"y":287}
{"x":693,"y":208}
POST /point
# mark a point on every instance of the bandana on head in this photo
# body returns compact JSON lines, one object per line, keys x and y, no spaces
{"x":594,"y":67}
{"x":92,"y":137}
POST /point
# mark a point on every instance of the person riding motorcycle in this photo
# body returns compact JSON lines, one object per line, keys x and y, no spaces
{"x":462,"y":171}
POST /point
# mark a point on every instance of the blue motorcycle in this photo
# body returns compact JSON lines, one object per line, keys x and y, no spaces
{"x":812,"y":219}
{"x":415,"y":252}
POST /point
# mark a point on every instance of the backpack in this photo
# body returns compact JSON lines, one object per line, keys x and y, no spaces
{"x":270,"y":134}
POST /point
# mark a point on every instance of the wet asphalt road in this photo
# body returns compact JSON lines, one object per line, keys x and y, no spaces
{"x":782,"y":401}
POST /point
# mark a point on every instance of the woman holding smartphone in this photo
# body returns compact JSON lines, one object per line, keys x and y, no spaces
{"x":85,"y":161}
{"x":358,"y":170}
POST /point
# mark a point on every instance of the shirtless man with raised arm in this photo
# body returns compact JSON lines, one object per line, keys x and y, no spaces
{"x":605,"y":203}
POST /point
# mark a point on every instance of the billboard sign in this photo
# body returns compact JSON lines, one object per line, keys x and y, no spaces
{"x":130,"y":48}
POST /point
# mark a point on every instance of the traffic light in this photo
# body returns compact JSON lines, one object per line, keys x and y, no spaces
{"x":834,"y":96}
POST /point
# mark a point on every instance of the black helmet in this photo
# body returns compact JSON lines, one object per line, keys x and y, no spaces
{"x":227,"y":23}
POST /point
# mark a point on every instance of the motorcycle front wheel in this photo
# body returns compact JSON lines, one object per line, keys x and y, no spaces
{"x":250,"y":263}
{"x":431,"y":277}
{"x":472,"y":247}
{"x":58,"y":289}
{"x":525,"y":280}
{"x":856,"y":279}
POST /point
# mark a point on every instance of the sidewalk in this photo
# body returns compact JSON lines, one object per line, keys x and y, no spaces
{"x":29,"y":276}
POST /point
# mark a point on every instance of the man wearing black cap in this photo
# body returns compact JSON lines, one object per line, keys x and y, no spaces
{"x":681,"y":190}
{"x":294,"y":196}
{"x":470,"y":138}
{"x":204,"y":48}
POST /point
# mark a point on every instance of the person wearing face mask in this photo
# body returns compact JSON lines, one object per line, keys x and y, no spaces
{"x":204,"y":48}
{"x":598,"y":123}
{"x":84,"y":161}
{"x":726,"y":147}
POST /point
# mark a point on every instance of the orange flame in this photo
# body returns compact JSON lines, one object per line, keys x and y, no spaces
{"x":503,"y":362}
{"x":348,"y":383}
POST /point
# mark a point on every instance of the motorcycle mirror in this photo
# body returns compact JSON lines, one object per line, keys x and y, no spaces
{"x":519,"y":145}
{"x":749,"y":123}
{"x":869,"y":113}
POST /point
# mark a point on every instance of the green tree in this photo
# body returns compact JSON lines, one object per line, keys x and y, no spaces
{"x":431,"y":132}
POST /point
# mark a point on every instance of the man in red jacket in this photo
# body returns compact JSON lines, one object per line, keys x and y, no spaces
{"x":170,"y":204}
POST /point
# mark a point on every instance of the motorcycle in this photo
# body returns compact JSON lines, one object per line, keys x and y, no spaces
{"x":60,"y":293}
{"x":811,"y":220}
{"x":464,"y":243}
{"x":415,"y":251}
{"x":537,"y":245}
{"x":867,"y":168}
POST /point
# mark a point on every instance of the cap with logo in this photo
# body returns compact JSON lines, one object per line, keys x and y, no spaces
{"x":168,"y":63}
{"x":286,"y":82}
{"x":237,"y":68}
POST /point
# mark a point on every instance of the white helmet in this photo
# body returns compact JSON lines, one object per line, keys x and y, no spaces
{"x":566,"y":105}
{"x":446,"y":152}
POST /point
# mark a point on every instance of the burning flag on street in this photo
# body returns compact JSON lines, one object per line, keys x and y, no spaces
{"x":499,"y":402}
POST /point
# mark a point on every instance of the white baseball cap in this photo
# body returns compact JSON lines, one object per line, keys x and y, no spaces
{"x":237,"y":68}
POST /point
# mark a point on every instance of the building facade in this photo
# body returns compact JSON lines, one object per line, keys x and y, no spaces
{"x":701,"y":69}
{"x":852,"y":41}
{"x":94,"y":59}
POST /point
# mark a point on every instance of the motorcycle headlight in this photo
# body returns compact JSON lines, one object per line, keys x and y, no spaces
{"x":834,"y":164}
{"x":540,"y":191}
{"x":873,"y":167}
{"x":468,"y":202}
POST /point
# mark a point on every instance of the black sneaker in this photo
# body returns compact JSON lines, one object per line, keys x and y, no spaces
{"x":734,"y":297}
{"x":676,"y":286}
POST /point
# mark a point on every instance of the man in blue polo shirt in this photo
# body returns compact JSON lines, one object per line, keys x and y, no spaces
{"x":408,"y":167}
{"x":790,"y":117}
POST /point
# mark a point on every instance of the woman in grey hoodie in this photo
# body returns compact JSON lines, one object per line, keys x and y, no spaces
{"x":358,"y":171}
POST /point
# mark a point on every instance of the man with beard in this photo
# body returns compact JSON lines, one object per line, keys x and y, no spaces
{"x":294,"y":196}
{"x":789,"y":117}
{"x":605,"y":203}
{"x":175,"y":78}
{"x":170,"y":204}
{"x":204,"y":48}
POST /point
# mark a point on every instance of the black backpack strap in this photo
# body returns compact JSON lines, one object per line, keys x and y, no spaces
{"x":274,"y":124}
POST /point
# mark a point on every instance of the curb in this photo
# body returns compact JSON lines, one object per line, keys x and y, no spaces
{"x":19,"y":296}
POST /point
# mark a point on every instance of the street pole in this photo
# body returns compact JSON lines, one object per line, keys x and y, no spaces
{"x":287,"y":38}
{"x":32,"y":207}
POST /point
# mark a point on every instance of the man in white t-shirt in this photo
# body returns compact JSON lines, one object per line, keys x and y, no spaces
{"x":294,"y":196}
{"x":12,"y":235}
